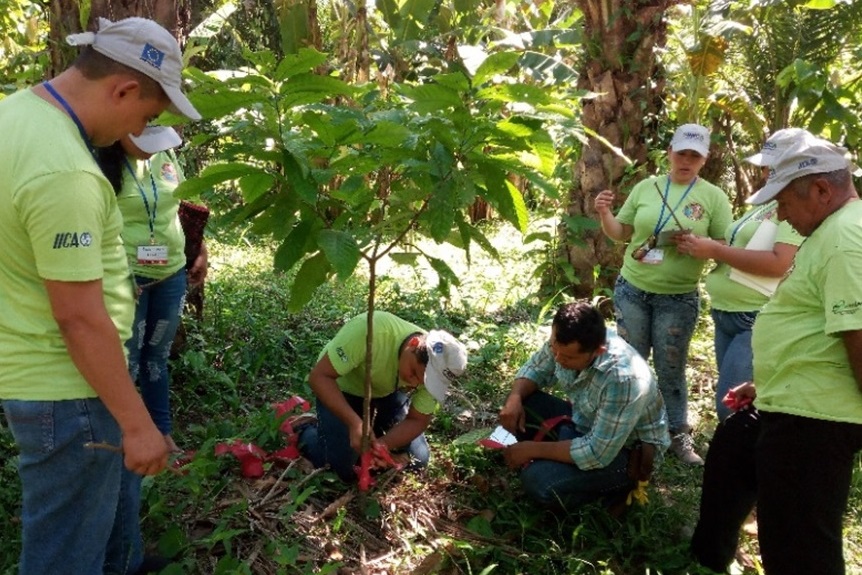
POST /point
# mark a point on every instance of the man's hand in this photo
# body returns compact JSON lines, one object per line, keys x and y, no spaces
{"x":512,"y":416}
{"x":641,"y":462}
{"x":198,"y":272}
{"x":146,"y":452}
{"x":740,"y":396}
{"x":519,"y":454}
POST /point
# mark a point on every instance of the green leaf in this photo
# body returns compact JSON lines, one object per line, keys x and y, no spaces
{"x":295,"y":64}
{"x":296,"y":245}
{"x":444,"y":272}
{"x":224,"y":102}
{"x":480,"y":525}
{"x":431,"y":98}
{"x":312,"y":88}
{"x":505,"y":197}
{"x":255,"y":185}
{"x":388,"y":134}
{"x":498,"y":63}
{"x":213,"y":175}
{"x":404,"y":258}
{"x":311,"y":275}
{"x":341,"y":250}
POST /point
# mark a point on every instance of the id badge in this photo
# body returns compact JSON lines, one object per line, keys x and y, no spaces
{"x":153,"y":255}
{"x":654,"y":256}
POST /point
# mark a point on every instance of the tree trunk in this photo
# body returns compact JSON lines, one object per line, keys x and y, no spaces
{"x":65,"y":19}
{"x":621,"y":67}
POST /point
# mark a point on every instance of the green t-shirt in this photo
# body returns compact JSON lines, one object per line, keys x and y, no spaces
{"x":800,"y":361}
{"x":159,"y":194}
{"x":346,"y":351}
{"x":59,"y":222}
{"x":729,"y":295}
{"x":705,"y":210}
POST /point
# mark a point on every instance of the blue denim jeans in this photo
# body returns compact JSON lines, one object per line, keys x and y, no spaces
{"x":664,"y":325}
{"x":70,"y":493}
{"x":732,"y":353}
{"x":328,"y":442}
{"x":564,"y":486}
{"x":157,"y":317}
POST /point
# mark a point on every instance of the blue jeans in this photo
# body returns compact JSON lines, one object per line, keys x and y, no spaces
{"x":732,"y":353}
{"x":663,"y":324}
{"x":329,"y":441}
{"x":70,"y":493}
{"x":564,"y":486}
{"x":157,"y":317}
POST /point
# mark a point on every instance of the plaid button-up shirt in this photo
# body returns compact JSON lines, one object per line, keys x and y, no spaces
{"x":615,"y":401}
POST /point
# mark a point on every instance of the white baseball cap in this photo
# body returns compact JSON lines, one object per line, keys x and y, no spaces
{"x":156,"y":139}
{"x":145,"y":46}
{"x":447,"y":360}
{"x":774,"y":145}
{"x":691,"y":137}
{"x":805,"y":155}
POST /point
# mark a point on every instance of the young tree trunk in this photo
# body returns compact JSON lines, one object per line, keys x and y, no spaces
{"x":621,"y":67}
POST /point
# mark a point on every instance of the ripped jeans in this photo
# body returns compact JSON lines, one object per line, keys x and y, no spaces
{"x":157,"y":317}
{"x":662,"y":324}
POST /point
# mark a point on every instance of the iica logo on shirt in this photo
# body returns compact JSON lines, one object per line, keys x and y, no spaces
{"x":72,"y":240}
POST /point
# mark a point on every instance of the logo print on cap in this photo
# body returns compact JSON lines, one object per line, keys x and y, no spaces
{"x":693,"y":136}
{"x":152,"y":56}
{"x":437,"y":347}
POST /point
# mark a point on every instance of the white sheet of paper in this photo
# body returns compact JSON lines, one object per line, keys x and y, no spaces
{"x":763,"y":239}
{"x":502,"y":436}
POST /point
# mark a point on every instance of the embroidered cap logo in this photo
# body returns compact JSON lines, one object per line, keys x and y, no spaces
{"x":152,"y":56}
{"x":693,"y":136}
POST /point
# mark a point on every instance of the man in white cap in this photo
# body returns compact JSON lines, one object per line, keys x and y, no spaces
{"x":68,"y":301}
{"x":411,"y":371}
{"x":603,"y":440}
{"x":807,"y":369}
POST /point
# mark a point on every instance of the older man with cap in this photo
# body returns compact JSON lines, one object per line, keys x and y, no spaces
{"x":604,"y":439}
{"x":756,"y":251}
{"x":807,"y":371}
{"x":68,"y":301}
{"x":411,"y":370}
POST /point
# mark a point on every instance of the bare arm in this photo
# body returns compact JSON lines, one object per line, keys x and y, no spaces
{"x":522,"y":452}
{"x":96,"y":350}
{"x":612,"y":227}
{"x":198,"y":271}
{"x":323,"y":380}
{"x":774,"y":263}
{"x":512,"y":416}
{"x":406,"y":430}
{"x":853,"y":343}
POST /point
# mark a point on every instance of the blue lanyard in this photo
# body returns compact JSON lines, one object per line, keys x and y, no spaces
{"x":745,"y":219}
{"x":661,"y":224}
{"x":72,"y":115}
{"x":151,"y":215}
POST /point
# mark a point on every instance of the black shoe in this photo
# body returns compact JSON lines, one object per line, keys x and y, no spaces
{"x":152,"y":564}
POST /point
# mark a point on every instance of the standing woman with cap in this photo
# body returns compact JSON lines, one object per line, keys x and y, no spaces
{"x":656,"y":299}
{"x":144,"y":173}
{"x":736,"y":298}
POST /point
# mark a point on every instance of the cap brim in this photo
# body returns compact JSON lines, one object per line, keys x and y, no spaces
{"x":766,"y":193}
{"x":436,"y":384}
{"x":756,"y":159}
{"x":684,"y":146}
{"x":180,"y":104}
{"x":156,"y":139}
